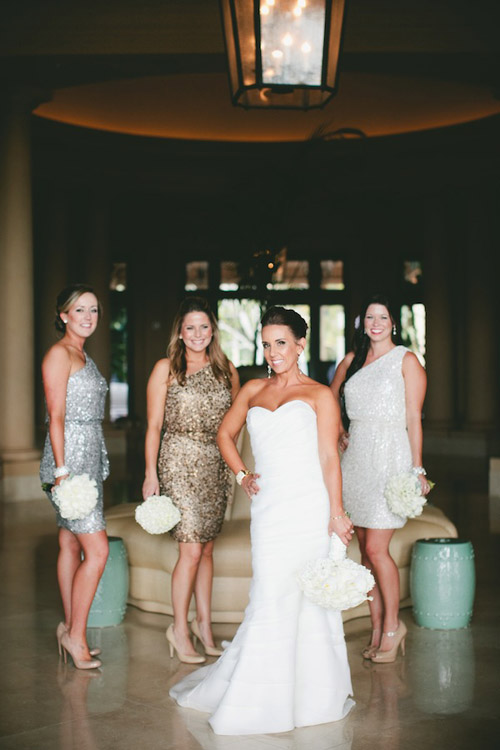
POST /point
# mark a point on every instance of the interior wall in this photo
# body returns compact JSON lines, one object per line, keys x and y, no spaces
{"x":101,"y":198}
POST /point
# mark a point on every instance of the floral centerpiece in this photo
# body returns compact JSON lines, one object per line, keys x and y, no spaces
{"x":76,"y":496}
{"x":157,"y":514}
{"x":336,"y":582}
{"x":403,"y":493}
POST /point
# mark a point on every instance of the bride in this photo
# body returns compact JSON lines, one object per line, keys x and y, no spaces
{"x":287,"y":665}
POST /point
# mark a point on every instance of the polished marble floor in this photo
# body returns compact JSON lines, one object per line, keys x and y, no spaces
{"x":443,"y":694}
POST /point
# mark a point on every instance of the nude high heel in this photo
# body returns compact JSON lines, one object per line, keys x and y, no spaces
{"x":370,"y":649}
{"x":209,"y":650}
{"x":186,"y":658}
{"x":68,"y":647}
{"x":399,"y":635}
{"x":61,"y":628}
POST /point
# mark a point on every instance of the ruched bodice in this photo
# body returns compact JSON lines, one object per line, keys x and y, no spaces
{"x":287,"y":665}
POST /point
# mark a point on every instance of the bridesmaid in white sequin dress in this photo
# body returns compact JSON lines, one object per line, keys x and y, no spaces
{"x":75,"y":393}
{"x":382,"y":388}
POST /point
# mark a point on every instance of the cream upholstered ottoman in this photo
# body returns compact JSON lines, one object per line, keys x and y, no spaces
{"x":152,"y":558}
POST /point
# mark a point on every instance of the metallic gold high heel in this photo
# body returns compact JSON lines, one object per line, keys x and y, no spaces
{"x":399,"y":635}
{"x":61,"y":628}
{"x":209,"y":650}
{"x":68,"y":648}
{"x":186,"y":658}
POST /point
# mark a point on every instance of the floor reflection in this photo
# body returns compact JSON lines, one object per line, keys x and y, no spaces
{"x":75,"y":728}
{"x":444,"y":680}
{"x":388,"y":687}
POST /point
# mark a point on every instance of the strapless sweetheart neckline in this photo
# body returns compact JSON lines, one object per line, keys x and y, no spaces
{"x":293,"y":401}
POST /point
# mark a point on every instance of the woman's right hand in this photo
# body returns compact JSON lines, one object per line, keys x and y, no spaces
{"x":343,"y":441}
{"x":151,"y":486}
{"x":250,"y":485}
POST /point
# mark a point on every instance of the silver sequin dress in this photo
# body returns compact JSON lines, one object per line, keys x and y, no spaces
{"x":378,"y":440}
{"x":84,"y":448}
{"x":191,"y":469}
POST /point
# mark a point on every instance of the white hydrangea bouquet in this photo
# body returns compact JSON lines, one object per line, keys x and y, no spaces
{"x":403,"y":493}
{"x":336,"y":582}
{"x":157,"y":514}
{"x":76,"y":496}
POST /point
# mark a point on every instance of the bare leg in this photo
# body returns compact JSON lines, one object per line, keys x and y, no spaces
{"x":387,"y":576}
{"x":183,"y":582}
{"x":203,"y":593}
{"x":95,"y":548}
{"x":376,"y":605}
{"x":68,"y":562}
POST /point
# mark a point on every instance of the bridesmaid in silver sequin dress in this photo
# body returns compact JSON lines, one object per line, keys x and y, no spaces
{"x":188,"y":394}
{"x":75,"y":394}
{"x":382,"y":387}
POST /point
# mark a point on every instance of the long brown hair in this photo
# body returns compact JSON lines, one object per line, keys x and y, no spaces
{"x":176,"y":350}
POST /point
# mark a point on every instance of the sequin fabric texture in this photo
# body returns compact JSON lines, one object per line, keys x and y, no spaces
{"x":190,"y":468}
{"x":84,"y":448}
{"x":378,"y":440}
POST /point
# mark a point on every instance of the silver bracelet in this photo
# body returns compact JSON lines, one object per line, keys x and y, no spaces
{"x":419,"y":471}
{"x":60,"y":471}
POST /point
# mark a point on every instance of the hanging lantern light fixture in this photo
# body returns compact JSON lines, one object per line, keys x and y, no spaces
{"x":282,"y":53}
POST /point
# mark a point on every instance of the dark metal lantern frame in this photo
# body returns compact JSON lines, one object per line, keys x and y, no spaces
{"x":241,"y":20}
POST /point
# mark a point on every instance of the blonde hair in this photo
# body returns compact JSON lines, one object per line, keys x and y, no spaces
{"x":176,"y":350}
{"x":67,"y":298}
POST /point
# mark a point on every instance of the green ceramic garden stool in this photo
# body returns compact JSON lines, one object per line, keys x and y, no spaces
{"x":442,"y":583}
{"x":110,"y":600}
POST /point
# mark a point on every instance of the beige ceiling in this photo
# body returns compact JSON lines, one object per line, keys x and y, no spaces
{"x":198,"y":106}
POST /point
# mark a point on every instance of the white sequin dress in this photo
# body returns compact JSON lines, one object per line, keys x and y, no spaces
{"x":378,"y":440}
{"x":84,"y":448}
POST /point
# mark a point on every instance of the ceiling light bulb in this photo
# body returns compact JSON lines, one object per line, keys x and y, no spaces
{"x":277,"y":54}
{"x":264,"y":10}
{"x":287,"y":40}
{"x":306,"y":47}
{"x":301,"y":3}
{"x":297,"y":11}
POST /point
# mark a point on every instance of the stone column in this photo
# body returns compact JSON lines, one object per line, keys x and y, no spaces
{"x":17,"y":422}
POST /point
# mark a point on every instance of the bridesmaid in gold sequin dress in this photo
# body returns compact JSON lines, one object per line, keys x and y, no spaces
{"x":188,"y":395}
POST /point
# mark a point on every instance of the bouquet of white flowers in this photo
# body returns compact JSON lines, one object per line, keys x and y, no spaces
{"x":335,"y":582}
{"x":157,"y":514}
{"x":76,"y":496}
{"x":403,"y":493}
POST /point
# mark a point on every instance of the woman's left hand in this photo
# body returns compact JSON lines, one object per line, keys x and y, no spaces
{"x":343,"y":527}
{"x":424,"y":484}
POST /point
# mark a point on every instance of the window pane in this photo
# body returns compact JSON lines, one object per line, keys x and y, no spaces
{"x":292,"y":274}
{"x":412,"y":271}
{"x":332,"y":274}
{"x":239,"y":321}
{"x":331,"y":333}
{"x":413,"y":329}
{"x":118,"y":387}
{"x":196,"y":275}
{"x":230,"y":276}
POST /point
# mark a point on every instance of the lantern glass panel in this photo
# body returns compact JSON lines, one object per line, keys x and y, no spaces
{"x":292,"y":39}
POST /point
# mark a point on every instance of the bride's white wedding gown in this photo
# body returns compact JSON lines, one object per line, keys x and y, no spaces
{"x":287,"y":665}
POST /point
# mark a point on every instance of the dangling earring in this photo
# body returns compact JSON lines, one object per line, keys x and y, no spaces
{"x":269,"y":371}
{"x":394,"y":329}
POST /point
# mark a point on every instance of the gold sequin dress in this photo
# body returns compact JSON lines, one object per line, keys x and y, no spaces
{"x":190,"y":468}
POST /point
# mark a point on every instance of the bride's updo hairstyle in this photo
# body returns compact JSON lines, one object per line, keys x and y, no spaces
{"x":282,"y":316}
